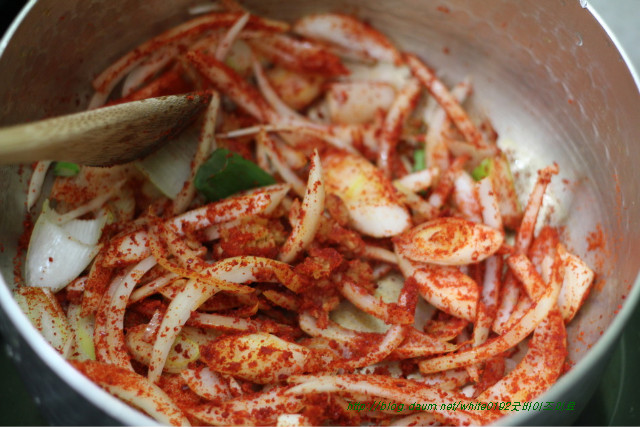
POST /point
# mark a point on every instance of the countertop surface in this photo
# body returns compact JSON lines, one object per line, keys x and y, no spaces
{"x":616,"y":401}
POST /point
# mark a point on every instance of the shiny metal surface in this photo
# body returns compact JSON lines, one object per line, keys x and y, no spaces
{"x":549,"y":77}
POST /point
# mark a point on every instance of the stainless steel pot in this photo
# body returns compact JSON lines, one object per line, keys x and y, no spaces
{"x":545,"y":72}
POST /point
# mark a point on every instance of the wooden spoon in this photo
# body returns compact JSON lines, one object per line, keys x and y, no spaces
{"x":102,"y":137}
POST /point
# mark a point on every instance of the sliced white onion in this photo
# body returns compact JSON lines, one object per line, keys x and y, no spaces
{"x":251,"y":202}
{"x":369,"y":196}
{"x":154,"y":63}
{"x":540,"y":367}
{"x":283,"y":110}
{"x":416,"y":344}
{"x":293,"y":420}
{"x":449,"y":241}
{"x":482,"y":326}
{"x":394,"y":389}
{"x":578,"y":278}
{"x":206,"y":145}
{"x":509,"y":296}
{"x":182,"y":33}
{"x":392,"y":339}
{"x":489,"y":203}
{"x":152,"y":287}
{"x":529,"y":219}
{"x":465,"y":197}
{"x":194,"y":294}
{"x":436,"y":147}
{"x":379,"y":254}
{"x":358,"y":102}
{"x":393,"y":124}
{"x":133,"y":247}
{"x":246,"y":269}
{"x":348,"y":33}
{"x":448,"y":289}
{"x":222,"y":322}
{"x":169,"y":167}
{"x":491,"y":283}
{"x":526,"y":273}
{"x":390,"y":313}
{"x":230,"y":36}
{"x":519,"y":331}
{"x":418,"y":181}
{"x":281,"y":299}
{"x":183,"y":351}
{"x":44,"y":312}
{"x":311,"y":211}
{"x":447,"y":380}
{"x":448,"y":102}
{"x":301,"y":56}
{"x":115,"y":312}
{"x":91,"y":206}
{"x":227,"y":81}
{"x":252,"y":409}
{"x":333,"y":331}
{"x":36,"y":181}
{"x":133,"y":389}
{"x":384,"y":72}
{"x":260,"y":357}
{"x":417,"y":204}
{"x":523,"y":240}
{"x":206,"y":383}
{"x":57,"y":254}
{"x":287,"y":174}
{"x":83,"y":329}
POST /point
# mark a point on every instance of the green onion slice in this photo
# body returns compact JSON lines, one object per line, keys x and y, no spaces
{"x":419,"y":160}
{"x":483,"y":169}
{"x":66,"y":169}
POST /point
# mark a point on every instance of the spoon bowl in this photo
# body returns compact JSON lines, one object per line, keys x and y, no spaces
{"x":102,"y":137}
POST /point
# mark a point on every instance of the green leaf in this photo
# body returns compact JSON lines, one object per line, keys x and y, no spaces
{"x":483,"y":169}
{"x":226,"y":173}
{"x":66,"y":169}
{"x":419,"y":160}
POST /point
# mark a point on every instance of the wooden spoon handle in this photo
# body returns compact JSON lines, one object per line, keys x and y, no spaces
{"x":101,"y":137}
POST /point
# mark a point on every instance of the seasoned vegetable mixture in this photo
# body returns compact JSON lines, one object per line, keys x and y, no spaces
{"x":335,"y":230}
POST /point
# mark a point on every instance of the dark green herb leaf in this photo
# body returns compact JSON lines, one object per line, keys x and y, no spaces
{"x":226,"y":173}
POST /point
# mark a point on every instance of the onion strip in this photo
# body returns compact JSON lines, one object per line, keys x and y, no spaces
{"x":540,"y":367}
{"x":110,"y":77}
{"x":393,"y":122}
{"x":394,"y":389}
{"x":253,"y":409}
{"x":36,"y":182}
{"x":288,"y":175}
{"x":206,"y":383}
{"x":518,"y":331}
{"x":283,"y":110}
{"x":133,"y":247}
{"x":305,"y":228}
{"x":206,"y":144}
{"x":133,"y":389}
{"x":440,"y":92}
{"x":224,"y":46}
